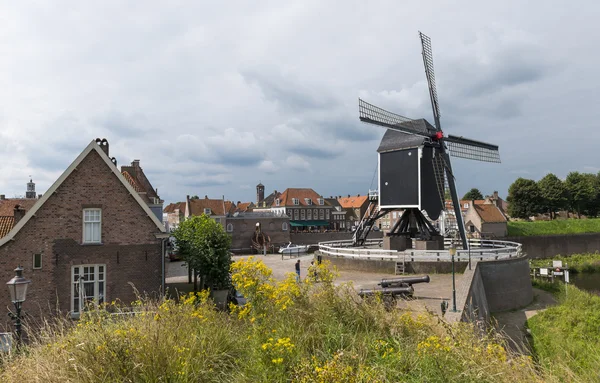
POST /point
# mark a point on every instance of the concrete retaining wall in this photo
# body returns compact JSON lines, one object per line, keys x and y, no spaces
{"x":507,"y":283}
{"x":548,"y":246}
{"x":471,"y":299}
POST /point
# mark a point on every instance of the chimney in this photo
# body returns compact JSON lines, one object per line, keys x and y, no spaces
{"x":205,"y":196}
{"x":103,"y":143}
{"x":358,"y":195}
{"x":135,"y":164}
{"x":39,"y":196}
{"x":19,"y":213}
{"x":2,"y":196}
{"x":348,"y":195}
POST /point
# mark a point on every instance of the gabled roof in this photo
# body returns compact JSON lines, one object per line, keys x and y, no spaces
{"x":269,"y":200}
{"x":489,"y":213}
{"x":286,"y":198}
{"x":197,"y":206}
{"x":132,"y":182}
{"x":92,"y":146}
{"x":229,"y":207}
{"x":243,"y":207}
{"x":352,"y":202}
{"x":7,"y":206}
{"x":170,"y":208}
{"x":449,"y":205}
{"x":395,"y":140}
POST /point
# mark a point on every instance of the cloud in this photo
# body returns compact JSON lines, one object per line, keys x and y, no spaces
{"x":295,"y":162}
{"x":268,"y":167}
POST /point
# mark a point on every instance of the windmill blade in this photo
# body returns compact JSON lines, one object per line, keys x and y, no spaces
{"x":374,"y":115}
{"x":471,"y":149}
{"x":428,"y":63}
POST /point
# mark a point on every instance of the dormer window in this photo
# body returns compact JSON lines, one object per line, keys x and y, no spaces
{"x":277,"y":202}
{"x":296,"y":201}
{"x":207,"y":211}
{"x":308,"y":201}
{"x":321,"y":201}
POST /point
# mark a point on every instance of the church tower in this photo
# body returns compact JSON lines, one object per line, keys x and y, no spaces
{"x":260,"y":193}
{"x":30,"y":189}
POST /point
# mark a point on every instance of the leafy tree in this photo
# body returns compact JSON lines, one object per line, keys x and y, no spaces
{"x":524,"y":198}
{"x":582,"y":191}
{"x":194,"y":197}
{"x":473,"y":194}
{"x":554,"y":194}
{"x":204,"y":245}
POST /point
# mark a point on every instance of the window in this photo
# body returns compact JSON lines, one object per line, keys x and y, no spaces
{"x":87,"y":286}
{"x":289,"y":213}
{"x":229,"y":227}
{"x":296,"y":201}
{"x":277,"y":202}
{"x":218,"y":220}
{"x":327,"y":214}
{"x":394,"y":215}
{"x":37,"y":261}
{"x":296,"y":214}
{"x":302,"y":214}
{"x":472,"y":228}
{"x":284,"y":226}
{"x":321,"y":214}
{"x":92,"y":224}
{"x":309,"y":214}
{"x":207,"y":211}
{"x":466,"y":206}
{"x":308,"y":201}
{"x":321,"y":201}
{"x":316,"y":213}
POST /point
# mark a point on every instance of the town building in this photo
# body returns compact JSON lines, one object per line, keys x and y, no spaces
{"x":306,"y":209}
{"x":217,"y":209}
{"x":91,"y":238}
{"x":356,"y":206}
{"x":242,"y":226}
{"x":173,"y":215}
{"x":338,"y":215}
{"x":485,"y":221}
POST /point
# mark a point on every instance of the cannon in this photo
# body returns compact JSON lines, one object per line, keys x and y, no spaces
{"x":403,"y":282}
{"x":387,"y":291}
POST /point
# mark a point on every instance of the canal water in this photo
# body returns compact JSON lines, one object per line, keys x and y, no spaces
{"x":587,"y":281}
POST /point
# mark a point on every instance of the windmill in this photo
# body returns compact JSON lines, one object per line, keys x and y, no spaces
{"x":414,"y":166}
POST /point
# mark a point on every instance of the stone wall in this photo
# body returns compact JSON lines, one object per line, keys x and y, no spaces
{"x":471,"y":299}
{"x":277,"y":228}
{"x":507,"y":283}
{"x":548,"y":246}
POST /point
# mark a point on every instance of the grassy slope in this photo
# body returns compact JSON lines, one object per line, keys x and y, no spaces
{"x":566,"y":337}
{"x":305,"y":332}
{"x":580,"y":263}
{"x":555,"y":227}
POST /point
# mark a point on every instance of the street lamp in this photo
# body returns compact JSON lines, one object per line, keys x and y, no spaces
{"x":18,"y":291}
{"x":452,"y":251}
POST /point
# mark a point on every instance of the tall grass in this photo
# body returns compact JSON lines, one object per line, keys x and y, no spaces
{"x":577,"y":263}
{"x":554,"y":227}
{"x":303,"y":332}
{"x":566,"y":337}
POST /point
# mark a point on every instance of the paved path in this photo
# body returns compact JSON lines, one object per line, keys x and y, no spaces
{"x":428,"y":295}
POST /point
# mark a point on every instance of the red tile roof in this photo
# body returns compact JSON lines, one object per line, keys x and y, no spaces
{"x":170,"y":208}
{"x":449,"y":205}
{"x":229,"y":207}
{"x":7,"y":206}
{"x":216,"y":206}
{"x":352,"y":201}
{"x":489,"y":213}
{"x":132,"y":182}
{"x":6,"y":225}
{"x":286,"y":198}
{"x":244,"y":206}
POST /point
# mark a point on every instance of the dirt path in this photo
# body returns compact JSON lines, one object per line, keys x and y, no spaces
{"x":512,"y":323}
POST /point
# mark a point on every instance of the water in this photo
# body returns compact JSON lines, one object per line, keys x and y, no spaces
{"x":587,"y":281}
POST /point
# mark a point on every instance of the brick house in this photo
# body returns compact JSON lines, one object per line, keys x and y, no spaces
{"x":242,"y":225}
{"x":356,"y":206}
{"x":338,"y":215}
{"x":91,"y":237}
{"x":173,"y":215}
{"x":12,"y":210}
{"x":305,"y":208}
{"x":217,"y":209}
{"x":485,"y":221}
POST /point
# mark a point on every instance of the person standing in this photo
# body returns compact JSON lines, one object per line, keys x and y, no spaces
{"x":298,"y":271}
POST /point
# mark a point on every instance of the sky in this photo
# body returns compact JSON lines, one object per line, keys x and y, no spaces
{"x":215,"y":97}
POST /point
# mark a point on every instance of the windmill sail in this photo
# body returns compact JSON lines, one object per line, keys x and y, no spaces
{"x":374,"y":115}
{"x":428,"y":62}
{"x":472,"y":150}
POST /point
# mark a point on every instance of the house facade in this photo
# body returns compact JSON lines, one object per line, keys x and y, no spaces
{"x":217,"y":209}
{"x":338,"y":215}
{"x":90,"y":238}
{"x":173,"y":215}
{"x":485,"y":221}
{"x":356,"y":207}
{"x":306,"y":209}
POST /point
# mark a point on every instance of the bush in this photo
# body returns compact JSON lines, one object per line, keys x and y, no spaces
{"x":288,"y":331}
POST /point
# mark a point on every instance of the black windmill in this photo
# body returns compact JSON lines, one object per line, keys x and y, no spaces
{"x":414,"y":165}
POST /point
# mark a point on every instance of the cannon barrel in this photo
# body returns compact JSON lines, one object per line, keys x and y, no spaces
{"x":408,"y":290}
{"x":404,"y":280}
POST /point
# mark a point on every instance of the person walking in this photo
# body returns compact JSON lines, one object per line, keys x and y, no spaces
{"x":298,"y":271}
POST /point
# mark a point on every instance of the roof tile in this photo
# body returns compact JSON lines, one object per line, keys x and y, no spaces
{"x":489,"y":213}
{"x":6,"y":225}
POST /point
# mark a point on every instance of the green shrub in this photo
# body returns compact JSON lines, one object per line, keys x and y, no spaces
{"x":586,"y":263}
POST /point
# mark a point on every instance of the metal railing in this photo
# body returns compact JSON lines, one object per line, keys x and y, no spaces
{"x":479,"y":249}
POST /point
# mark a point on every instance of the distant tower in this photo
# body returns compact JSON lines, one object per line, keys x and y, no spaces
{"x":260,"y":192}
{"x":30,"y":189}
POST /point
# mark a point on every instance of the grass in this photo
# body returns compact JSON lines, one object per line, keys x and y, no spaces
{"x":288,"y":331}
{"x":577,"y":263}
{"x":555,"y":227}
{"x":566,"y":337}
{"x":551,"y":287}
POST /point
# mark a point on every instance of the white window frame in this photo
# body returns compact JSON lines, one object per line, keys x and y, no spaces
{"x":308,"y":201}
{"x":207,"y":210}
{"x":230,"y":227}
{"x":321,"y":201}
{"x":296,"y":201}
{"x":284,"y":226}
{"x":33,"y":263}
{"x":309,"y":214}
{"x":218,"y":220}
{"x":277,"y":202}
{"x":296,"y":214}
{"x":303,"y":214}
{"x":90,"y":223}
{"x":99,"y":286}
{"x":466,"y":206}
{"x":321,"y":214}
{"x":327,"y":214}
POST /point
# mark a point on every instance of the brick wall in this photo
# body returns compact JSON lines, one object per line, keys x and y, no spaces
{"x":130,"y":250}
{"x":243,"y":230}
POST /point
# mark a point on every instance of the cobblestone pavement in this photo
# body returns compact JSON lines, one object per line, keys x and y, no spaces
{"x":428,"y":295}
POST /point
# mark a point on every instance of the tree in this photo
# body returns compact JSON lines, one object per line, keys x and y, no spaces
{"x":524,"y":198}
{"x":582,"y":191}
{"x":473,"y":194}
{"x":204,"y":246}
{"x":554,"y":194}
